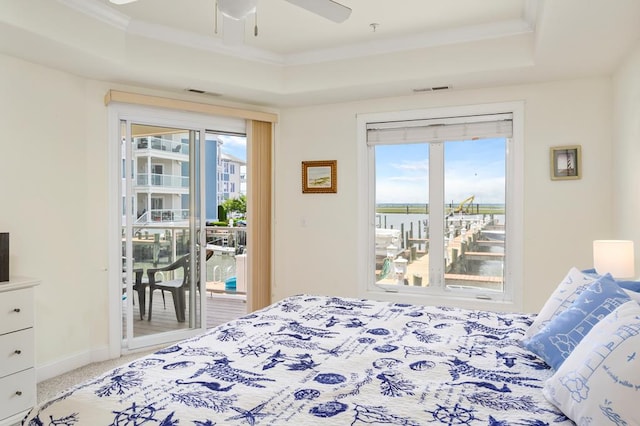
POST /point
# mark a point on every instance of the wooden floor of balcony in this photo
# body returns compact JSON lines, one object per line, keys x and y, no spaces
{"x":220,"y":309}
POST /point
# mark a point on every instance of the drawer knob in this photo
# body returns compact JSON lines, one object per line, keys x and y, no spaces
{"x":17,"y":352}
{"x":19,"y":393}
{"x":16,"y":310}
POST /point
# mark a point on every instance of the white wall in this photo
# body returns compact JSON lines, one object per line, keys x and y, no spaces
{"x":54,"y":203}
{"x":54,"y":194}
{"x":626,"y":151}
{"x":315,"y":234}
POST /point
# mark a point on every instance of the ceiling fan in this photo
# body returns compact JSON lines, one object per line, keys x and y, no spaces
{"x":240,"y":9}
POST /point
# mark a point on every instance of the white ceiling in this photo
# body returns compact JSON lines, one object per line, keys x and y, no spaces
{"x":299,"y":58}
{"x":286,"y":29}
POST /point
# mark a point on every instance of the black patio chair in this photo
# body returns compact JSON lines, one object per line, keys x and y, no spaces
{"x":177,"y":286}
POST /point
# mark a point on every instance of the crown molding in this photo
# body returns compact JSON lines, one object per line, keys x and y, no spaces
{"x":165,"y":34}
{"x":413,"y":42}
{"x":100,"y":12}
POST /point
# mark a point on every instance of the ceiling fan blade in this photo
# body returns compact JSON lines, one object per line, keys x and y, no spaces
{"x":122,"y":1}
{"x":326,"y":8}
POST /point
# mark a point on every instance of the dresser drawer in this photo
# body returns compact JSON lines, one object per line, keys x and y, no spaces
{"x":16,"y":351}
{"x":16,"y":310}
{"x":17,"y":393}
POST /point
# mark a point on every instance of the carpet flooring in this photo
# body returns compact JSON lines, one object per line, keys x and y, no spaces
{"x":49,"y":388}
{"x":220,"y":310}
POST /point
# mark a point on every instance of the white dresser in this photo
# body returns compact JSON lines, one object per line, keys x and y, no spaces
{"x":17,"y":349}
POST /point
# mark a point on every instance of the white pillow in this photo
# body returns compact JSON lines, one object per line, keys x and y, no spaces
{"x":633,"y":294}
{"x":599,"y":383}
{"x":563,"y":296}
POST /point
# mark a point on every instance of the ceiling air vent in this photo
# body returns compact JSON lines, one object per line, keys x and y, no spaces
{"x":202,"y":92}
{"x":431,"y":89}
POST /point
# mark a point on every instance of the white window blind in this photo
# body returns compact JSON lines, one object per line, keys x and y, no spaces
{"x":441,"y":129}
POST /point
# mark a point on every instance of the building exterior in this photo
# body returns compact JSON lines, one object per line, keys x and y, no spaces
{"x":232,"y":182}
{"x":161,"y":177}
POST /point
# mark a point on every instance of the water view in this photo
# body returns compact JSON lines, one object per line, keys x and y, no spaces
{"x":473,"y":246}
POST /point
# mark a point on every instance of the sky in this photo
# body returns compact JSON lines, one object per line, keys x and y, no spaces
{"x":471,"y":168}
{"x":235,"y":145}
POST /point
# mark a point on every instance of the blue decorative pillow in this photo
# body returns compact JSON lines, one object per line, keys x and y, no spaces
{"x":561,"y":335}
{"x":574,"y":283}
{"x":599,"y":383}
{"x":629,"y":285}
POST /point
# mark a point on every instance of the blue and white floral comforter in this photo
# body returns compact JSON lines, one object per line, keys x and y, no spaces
{"x":311,"y":360}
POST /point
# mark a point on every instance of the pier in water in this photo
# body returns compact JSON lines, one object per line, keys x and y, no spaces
{"x":474,"y":248}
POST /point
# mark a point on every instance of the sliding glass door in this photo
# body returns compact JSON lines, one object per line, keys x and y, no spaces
{"x":163,"y":250}
{"x":172,"y":172}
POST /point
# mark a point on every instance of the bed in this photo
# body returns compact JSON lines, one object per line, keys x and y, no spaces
{"x":316,"y":360}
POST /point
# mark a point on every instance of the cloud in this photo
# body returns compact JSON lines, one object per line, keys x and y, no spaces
{"x":234,"y":145}
{"x":402,"y":173}
{"x":233,"y":141}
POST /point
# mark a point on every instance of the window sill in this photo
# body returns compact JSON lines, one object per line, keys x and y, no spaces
{"x":457,"y":301}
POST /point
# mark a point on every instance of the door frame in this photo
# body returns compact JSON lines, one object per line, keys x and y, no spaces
{"x":117,"y":112}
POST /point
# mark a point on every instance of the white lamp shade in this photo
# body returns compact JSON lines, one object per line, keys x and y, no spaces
{"x":615,"y":257}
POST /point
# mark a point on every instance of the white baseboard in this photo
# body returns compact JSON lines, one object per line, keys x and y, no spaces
{"x":70,"y":363}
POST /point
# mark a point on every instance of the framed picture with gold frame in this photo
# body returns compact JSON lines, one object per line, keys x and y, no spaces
{"x":566,"y":162}
{"x":319,"y":177}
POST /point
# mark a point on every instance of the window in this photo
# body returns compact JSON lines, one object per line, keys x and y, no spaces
{"x":157,"y":170}
{"x":444,"y":203}
{"x":157,"y":205}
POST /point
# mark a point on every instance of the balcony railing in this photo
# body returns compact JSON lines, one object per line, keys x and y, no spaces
{"x":167,"y":215}
{"x":169,"y":181}
{"x":159,"y":144}
{"x":155,"y":243}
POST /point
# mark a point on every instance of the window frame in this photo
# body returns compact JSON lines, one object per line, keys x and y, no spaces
{"x":367,"y":288}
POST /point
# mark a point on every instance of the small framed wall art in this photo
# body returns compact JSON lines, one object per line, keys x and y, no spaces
{"x":319,"y":177}
{"x":566,"y":162}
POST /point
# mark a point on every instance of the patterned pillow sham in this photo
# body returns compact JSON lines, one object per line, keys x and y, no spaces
{"x":565,"y":293}
{"x":563,"y":333}
{"x":599,"y":383}
{"x":633,"y":294}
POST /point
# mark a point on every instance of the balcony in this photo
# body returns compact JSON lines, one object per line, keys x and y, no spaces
{"x":159,"y":244}
{"x":162,"y":145}
{"x":162,"y":180}
{"x":168,"y":215}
